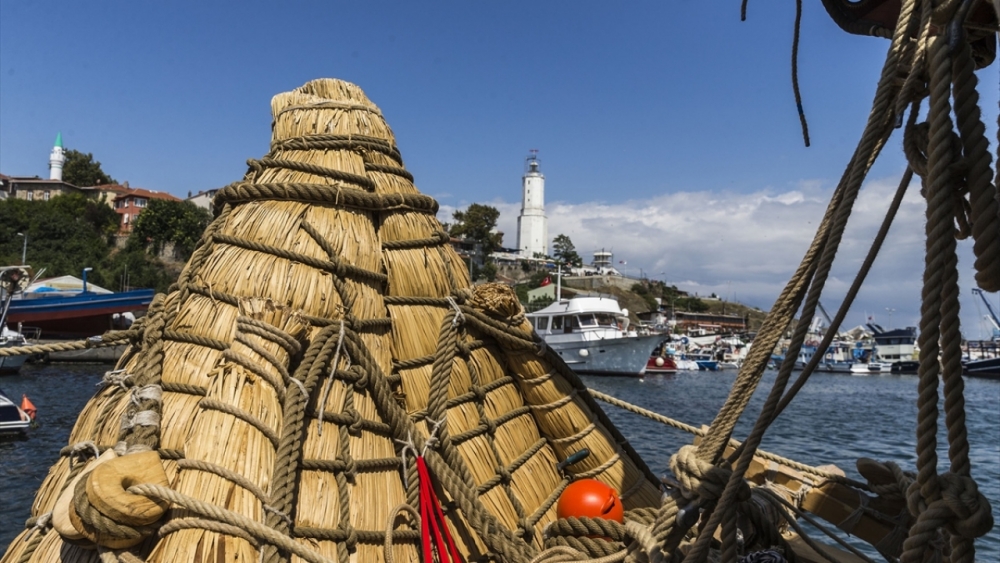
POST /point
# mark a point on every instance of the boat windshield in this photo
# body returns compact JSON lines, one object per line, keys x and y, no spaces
{"x":606,"y":319}
{"x":587,"y":320}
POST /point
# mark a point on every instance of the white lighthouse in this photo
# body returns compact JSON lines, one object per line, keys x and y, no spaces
{"x":532,"y":225}
{"x":56,"y":159}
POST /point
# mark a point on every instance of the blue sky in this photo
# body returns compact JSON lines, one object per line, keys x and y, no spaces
{"x":667,"y":130}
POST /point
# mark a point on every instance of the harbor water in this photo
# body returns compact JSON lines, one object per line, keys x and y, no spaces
{"x":835,"y":419}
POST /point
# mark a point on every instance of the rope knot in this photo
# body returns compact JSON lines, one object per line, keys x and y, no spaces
{"x":970,"y":510}
{"x":700,"y":478}
{"x":352,"y":540}
{"x":118,"y":377}
{"x":361,"y":378}
{"x":479,"y":393}
{"x":350,"y":468}
{"x":504,"y":475}
{"x":354,"y":429}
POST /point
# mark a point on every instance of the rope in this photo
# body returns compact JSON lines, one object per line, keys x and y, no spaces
{"x":342,"y":195}
{"x":825,"y":244}
{"x":108,"y":339}
{"x":778,"y":500}
{"x":795,"y":68}
{"x":949,"y":500}
{"x":391,"y":525}
{"x":263,"y":533}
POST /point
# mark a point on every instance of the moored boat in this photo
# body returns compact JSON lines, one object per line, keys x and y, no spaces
{"x":591,"y":335}
{"x":988,"y":368}
{"x":13,"y":420}
{"x":662,"y":361}
{"x":11,"y":279}
{"x":869,"y":368}
{"x":80,"y":314}
{"x":11,"y":339}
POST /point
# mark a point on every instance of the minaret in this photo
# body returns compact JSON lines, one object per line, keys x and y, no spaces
{"x":532,"y":225}
{"x":56,"y":159}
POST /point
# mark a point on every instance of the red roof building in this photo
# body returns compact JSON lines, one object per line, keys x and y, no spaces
{"x":129,"y":204}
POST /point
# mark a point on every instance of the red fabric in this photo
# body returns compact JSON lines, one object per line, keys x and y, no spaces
{"x":545,"y":282}
{"x":433,"y":527}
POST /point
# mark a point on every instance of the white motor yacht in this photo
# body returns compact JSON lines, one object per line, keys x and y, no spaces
{"x":592,"y":336}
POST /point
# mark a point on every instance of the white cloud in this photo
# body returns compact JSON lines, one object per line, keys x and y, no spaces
{"x":745,"y":246}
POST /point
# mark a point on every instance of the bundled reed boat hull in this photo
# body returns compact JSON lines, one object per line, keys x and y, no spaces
{"x":321,"y":333}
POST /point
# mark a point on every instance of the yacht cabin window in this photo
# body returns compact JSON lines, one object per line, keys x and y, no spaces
{"x":541,"y":323}
{"x":557,"y":323}
{"x":588,"y":320}
{"x":606,"y":319}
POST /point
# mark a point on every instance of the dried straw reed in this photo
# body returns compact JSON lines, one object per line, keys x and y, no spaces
{"x":327,"y":242}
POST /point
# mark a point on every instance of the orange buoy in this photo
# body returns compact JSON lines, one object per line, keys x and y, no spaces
{"x":590,"y":498}
{"x":28,"y":407}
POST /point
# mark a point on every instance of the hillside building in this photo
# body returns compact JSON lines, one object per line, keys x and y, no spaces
{"x":203,"y":199}
{"x":130,"y":204}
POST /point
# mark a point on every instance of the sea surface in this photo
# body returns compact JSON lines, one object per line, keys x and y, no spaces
{"x":834,"y":420}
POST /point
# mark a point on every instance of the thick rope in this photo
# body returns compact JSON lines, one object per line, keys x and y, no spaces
{"x":949,"y":500}
{"x":872,"y":141}
{"x":983,"y":194}
{"x":263,"y":533}
{"x":108,"y":339}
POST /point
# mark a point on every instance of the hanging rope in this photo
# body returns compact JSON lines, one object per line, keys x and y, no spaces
{"x":795,"y":71}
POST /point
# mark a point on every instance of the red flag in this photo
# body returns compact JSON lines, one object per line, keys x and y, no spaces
{"x":545,"y":282}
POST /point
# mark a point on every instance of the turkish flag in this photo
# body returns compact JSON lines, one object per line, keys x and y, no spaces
{"x":545,"y":282}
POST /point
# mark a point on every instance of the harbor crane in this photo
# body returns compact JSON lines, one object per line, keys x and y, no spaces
{"x":992,"y":316}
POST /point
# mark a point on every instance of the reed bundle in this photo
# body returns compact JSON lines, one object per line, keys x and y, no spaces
{"x":326,"y":272}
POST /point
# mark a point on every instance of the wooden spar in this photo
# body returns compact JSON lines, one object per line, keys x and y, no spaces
{"x":836,"y":503}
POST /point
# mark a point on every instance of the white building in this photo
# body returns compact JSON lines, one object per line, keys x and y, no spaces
{"x":203,"y":199}
{"x":532,"y":224}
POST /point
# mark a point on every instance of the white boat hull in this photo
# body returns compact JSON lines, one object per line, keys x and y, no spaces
{"x":12,"y":364}
{"x":13,"y":420}
{"x":871,"y":368}
{"x":618,"y":356}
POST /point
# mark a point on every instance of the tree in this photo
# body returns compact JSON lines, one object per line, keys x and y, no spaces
{"x":163,"y":221}
{"x":64,"y":234}
{"x":565,"y":252}
{"x":490,"y":271}
{"x":82,"y":170}
{"x":478,"y":222}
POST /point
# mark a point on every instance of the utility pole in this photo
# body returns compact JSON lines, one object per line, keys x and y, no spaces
{"x":24,"y":249}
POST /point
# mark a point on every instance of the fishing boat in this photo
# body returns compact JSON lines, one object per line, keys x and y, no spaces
{"x":324,"y":383}
{"x":591,"y":335}
{"x":69,"y":307}
{"x":704,"y":360}
{"x":662,"y":360}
